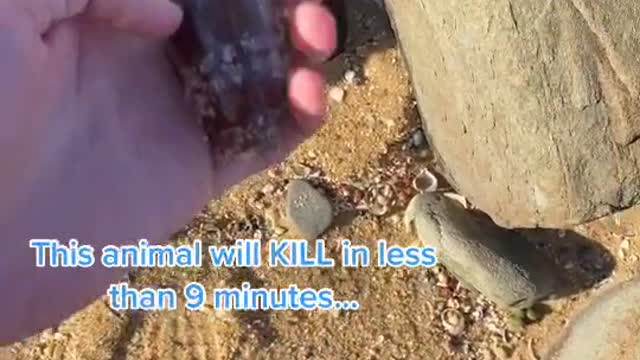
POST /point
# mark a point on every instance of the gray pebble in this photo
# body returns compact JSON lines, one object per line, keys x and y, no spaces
{"x":496,"y":262}
{"x":307,"y":209}
{"x":418,"y":140}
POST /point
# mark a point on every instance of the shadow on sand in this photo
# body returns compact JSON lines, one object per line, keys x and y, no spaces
{"x":583,"y":262}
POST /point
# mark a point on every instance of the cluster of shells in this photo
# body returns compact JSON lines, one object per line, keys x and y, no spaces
{"x":378,"y":192}
{"x":386,"y":192}
{"x":457,"y":312}
{"x":460,"y":314}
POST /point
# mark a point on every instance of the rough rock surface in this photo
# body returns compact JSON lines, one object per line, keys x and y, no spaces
{"x":610,"y":324}
{"x":531,"y":106}
{"x":307,"y":209}
{"x":480,"y":254}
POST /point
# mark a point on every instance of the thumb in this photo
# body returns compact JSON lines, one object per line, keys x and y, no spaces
{"x":148,"y":17}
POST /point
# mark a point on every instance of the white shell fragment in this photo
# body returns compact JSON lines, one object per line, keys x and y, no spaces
{"x":425,"y":182}
{"x":378,"y":209}
{"x":453,"y":321}
{"x":336,"y":94}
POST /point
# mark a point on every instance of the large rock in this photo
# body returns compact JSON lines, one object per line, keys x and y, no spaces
{"x":607,"y":329}
{"x":531,"y":106}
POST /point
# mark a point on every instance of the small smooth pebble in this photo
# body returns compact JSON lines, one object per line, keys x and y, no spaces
{"x":336,"y":94}
{"x":350,"y":76}
{"x":307,"y":209}
{"x":389,"y":122}
{"x":624,"y":245}
{"x":418,"y":139}
{"x":279,"y":230}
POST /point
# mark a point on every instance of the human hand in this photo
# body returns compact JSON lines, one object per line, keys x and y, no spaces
{"x":96,"y":142}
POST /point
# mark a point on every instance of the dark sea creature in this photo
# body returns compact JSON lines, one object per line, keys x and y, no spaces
{"x":339,"y":10}
{"x":233,"y":57}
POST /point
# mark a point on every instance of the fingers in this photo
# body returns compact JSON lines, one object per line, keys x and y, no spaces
{"x":148,"y":17}
{"x":306,"y":95}
{"x":313,"y":33}
{"x":313,"y":30}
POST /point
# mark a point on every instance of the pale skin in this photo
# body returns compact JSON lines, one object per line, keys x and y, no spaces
{"x":97,"y":144}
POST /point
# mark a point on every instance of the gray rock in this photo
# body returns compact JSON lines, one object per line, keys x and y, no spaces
{"x":531,"y":106}
{"x":307,"y":209}
{"x":607,"y":329}
{"x":494,"y":261}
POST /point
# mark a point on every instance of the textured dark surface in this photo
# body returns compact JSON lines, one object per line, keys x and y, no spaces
{"x":233,"y":59}
{"x":339,"y":10}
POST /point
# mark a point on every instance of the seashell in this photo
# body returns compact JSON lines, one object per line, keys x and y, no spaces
{"x":453,"y":303}
{"x":443,"y":279}
{"x":425,"y":182}
{"x":279,"y":230}
{"x":396,"y":219}
{"x":378,"y":209}
{"x":382,"y":200}
{"x":533,"y":314}
{"x":386,"y":191}
{"x":453,"y":322}
{"x":362,"y":205}
{"x":232,"y":57}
